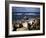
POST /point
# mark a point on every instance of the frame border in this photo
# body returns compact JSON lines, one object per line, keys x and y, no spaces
{"x":7,"y":16}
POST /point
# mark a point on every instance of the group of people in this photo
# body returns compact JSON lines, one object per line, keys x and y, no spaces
{"x":27,"y":25}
